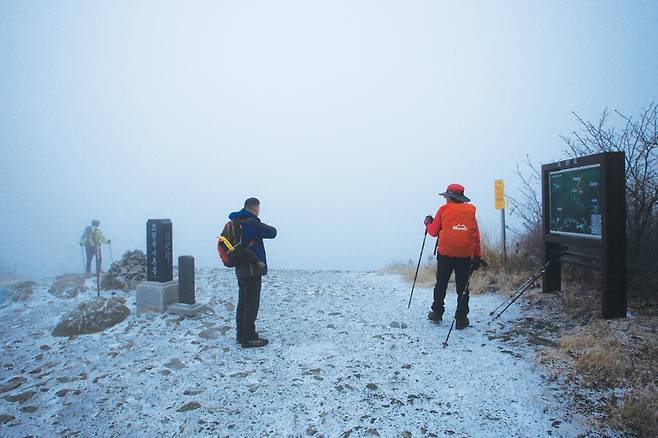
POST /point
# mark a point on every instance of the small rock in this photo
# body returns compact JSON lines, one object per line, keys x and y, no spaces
{"x":209,"y":333}
{"x":62,"y":392}
{"x":372,"y":386}
{"x":175,"y":364}
{"x":12,"y":384}
{"x":192,"y":391}
{"x":395,"y":324}
{"x":189,"y":406}
{"x":242,"y":374}
{"x":6,"y":418}
{"x":538,"y":340}
{"x":29,"y":409}
{"x":20,"y":398}
{"x":311,"y":431}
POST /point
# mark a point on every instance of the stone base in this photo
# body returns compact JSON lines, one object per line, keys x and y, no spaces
{"x":153,"y":296}
{"x":186,"y":309}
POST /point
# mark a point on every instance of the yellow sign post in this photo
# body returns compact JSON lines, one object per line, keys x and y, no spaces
{"x":500,"y":194}
{"x":499,"y":186}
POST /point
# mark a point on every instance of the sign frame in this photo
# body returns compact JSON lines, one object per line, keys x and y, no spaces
{"x":607,"y":253}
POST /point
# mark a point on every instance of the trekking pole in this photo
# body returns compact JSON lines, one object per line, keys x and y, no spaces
{"x":82,"y":254}
{"x":526,"y":286}
{"x":511,"y":296}
{"x":531,"y":280}
{"x":417,"y":268}
{"x":98,"y":270}
{"x":468,"y":281}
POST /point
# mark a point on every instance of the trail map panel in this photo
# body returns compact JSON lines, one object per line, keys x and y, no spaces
{"x":575,"y":201}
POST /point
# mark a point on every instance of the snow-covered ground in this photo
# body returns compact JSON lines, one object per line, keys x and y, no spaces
{"x":346,"y":357}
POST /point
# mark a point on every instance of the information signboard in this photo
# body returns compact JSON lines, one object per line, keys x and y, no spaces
{"x":584,"y":223}
{"x":574,"y":198}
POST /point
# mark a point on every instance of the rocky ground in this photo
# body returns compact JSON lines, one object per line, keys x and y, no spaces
{"x":346,"y":359}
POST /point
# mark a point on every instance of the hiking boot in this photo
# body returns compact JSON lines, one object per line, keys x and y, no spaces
{"x":260,"y":342}
{"x":461,"y":324}
{"x":435,"y":317}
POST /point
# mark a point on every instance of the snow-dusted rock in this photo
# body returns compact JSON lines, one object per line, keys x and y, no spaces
{"x":12,"y":384}
{"x":92,"y":316}
{"x":16,"y":292}
{"x":22,"y":291}
{"x":68,"y":286}
{"x":126,"y":273}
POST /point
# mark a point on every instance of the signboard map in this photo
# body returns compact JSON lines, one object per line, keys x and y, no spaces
{"x":575,"y":201}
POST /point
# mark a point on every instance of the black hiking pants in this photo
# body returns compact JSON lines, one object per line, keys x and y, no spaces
{"x":445,"y":266}
{"x":91,"y":253}
{"x":248,"y":304}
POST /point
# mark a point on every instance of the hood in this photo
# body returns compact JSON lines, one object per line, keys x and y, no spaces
{"x":241,"y":213}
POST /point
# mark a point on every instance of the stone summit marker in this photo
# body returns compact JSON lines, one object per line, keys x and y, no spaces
{"x":187,"y":304}
{"x":159,"y":291}
{"x":159,"y":250}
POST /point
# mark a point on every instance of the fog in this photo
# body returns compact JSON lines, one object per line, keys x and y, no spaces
{"x":346,"y":119}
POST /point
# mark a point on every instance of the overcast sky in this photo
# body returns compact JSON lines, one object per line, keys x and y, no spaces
{"x":345,"y":118}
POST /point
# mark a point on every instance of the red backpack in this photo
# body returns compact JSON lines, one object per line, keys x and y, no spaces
{"x":229,"y":243}
{"x":458,"y":235}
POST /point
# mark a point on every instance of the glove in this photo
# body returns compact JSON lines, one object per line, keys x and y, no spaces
{"x":428,"y":220}
{"x":109,"y":241}
{"x":478,"y":263}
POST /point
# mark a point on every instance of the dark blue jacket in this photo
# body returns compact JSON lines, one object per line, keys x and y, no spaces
{"x":253,"y":233}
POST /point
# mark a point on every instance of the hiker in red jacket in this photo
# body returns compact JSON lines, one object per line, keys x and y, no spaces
{"x":459,"y":251}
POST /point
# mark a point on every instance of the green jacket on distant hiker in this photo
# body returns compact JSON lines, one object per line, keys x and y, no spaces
{"x":91,"y":239}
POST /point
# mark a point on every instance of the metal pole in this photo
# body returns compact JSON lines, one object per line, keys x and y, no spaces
{"x":466,"y":292}
{"x":502,"y":234}
{"x":98,"y":269}
{"x":417,"y":268}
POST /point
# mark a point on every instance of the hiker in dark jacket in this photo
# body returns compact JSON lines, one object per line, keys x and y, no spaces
{"x":250,"y":274}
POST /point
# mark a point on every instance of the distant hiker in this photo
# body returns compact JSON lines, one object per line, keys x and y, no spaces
{"x":458,"y":250}
{"x":91,"y":239}
{"x":250,"y":272}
